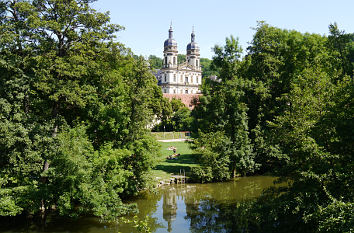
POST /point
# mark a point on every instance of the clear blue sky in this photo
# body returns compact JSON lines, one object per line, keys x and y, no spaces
{"x":147,"y":22}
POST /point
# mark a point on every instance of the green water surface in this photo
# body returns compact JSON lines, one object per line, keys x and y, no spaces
{"x":176,"y":208}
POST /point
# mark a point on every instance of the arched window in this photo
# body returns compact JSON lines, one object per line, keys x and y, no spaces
{"x":174,"y":60}
{"x":174,"y":77}
{"x":165,"y":61}
{"x":186,"y":91}
{"x":196,"y":63}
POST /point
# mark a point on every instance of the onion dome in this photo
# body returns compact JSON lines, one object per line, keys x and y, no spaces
{"x":170,"y":41}
{"x":192,"y":45}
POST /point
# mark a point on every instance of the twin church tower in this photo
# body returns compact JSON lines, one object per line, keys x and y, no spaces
{"x":183,"y":78}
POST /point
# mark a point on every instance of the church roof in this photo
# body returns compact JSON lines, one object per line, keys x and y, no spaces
{"x":170,"y":41}
{"x":192,"y":44}
{"x":189,"y":100}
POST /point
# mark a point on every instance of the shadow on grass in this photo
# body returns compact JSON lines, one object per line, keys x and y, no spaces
{"x":183,"y":163}
{"x":184,"y":159}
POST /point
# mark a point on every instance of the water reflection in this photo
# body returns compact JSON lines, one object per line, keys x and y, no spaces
{"x":207,"y":207}
{"x":177,"y":208}
{"x":169,"y":207}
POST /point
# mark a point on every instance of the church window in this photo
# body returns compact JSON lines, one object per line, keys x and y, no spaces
{"x":165,"y":61}
{"x":174,"y":60}
{"x":174,"y":77}
{"x":165,"y":78}
{"x":197,"y":63}
{"x":186,"y":79}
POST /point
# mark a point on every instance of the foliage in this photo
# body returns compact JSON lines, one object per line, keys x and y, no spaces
{"x":222,"y":110}
{"x":207,"y":71}
{"x":286,"y":106}
{"x":175,"y":117}
{"x":74,"y":106}
{"x":215,"y":153}
{"x":140,"y":225}
{"x":155,"y":62}
{"x":181,"y":58}
{"x":298,"y":126}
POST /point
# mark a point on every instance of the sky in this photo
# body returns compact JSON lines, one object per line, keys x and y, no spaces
{"x":147,"y":22}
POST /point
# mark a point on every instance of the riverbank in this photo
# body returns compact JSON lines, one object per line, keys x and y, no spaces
{"x":166,"y":169}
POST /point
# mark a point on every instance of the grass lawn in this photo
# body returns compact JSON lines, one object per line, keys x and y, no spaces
{"x":166,"y":167}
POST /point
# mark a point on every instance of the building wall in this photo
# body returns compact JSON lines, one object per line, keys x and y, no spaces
{"x":179,"y":81}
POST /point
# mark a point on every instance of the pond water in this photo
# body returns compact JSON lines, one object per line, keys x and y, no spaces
{"x":175,"y":208}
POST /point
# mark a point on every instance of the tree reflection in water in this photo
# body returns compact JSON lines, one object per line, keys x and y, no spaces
{"x":218,"y":207}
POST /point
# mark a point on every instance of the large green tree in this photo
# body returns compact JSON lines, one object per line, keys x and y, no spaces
{"x":74,"y":106}
{"x":222,"y":109}
{"x":298,"y":86}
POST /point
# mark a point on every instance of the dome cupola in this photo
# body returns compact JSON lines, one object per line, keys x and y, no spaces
{"x":170,"y":52}
{"x":170,"y":41}
{"x":192,"y":45}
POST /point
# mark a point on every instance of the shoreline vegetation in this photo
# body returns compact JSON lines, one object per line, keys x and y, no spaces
{"x":77,"y":106}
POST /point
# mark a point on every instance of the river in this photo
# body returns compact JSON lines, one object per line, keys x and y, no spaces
{"x":176,"y":208}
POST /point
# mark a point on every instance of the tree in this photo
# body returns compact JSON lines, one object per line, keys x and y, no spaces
{"x":276,"y":58}
{"x":155,"y":62}
{"x":223,"y":109}
{"x":181,"y":58}
{"x":289,"y":103}
{"x":296,"y":99}
{"x":205,"y":63}
{"x":343,"y":44}
{"x":175,"y":117}
{"x":74,"y":106}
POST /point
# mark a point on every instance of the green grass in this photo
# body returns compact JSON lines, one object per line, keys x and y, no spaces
{"x":165,"y":167}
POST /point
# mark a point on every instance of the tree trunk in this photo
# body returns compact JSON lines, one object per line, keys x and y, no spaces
{"x":46,"y":163}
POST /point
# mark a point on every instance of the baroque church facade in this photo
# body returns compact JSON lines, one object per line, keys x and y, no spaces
{"x":184,"y":78}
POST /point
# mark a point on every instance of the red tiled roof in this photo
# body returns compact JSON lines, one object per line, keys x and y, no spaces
{"x":187,"y":99}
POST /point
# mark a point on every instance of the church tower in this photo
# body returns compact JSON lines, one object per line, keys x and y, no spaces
{"x":193,"y":55}
{"x":170,"y":51}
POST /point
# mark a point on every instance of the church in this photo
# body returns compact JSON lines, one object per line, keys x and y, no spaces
{"x":181,"y":81}
{"x":184,"y":78}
